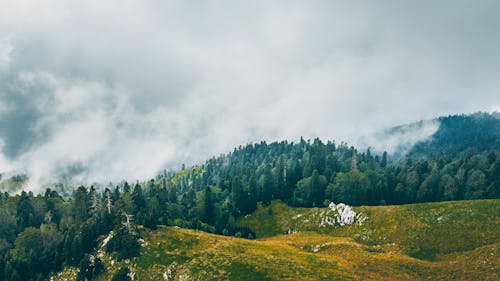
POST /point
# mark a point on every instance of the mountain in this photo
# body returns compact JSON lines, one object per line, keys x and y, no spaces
{"x":459,"y":161}
{"x":262,"y":191}
{"x":446,"y":136}
{"x":457,"y":134}
{"x":433,"y":241}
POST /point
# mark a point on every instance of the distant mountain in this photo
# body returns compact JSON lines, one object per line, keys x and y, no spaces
{"x":476,"y":133}
{"x":448,"y":158}
{"x":448,"y":136}
{"x":398,"y":141}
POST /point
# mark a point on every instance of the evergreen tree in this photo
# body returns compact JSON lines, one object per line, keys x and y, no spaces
{"x":138,"y":199}
{"x":237,"y":196}
{"x":172,"y":194}
{"x":81,"y":205}
{"x":317,"y":189}
{"x":267,"y":185}
{"x":25,"y":212}
{"x":251,"y":203}
{"x":207,"y":215}
{"x":476,"y":184}
{"x":352,"y":187}
{"x":383,"y":162}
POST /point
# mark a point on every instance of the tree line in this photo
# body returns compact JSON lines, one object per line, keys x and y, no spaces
{"x":42,"y":233}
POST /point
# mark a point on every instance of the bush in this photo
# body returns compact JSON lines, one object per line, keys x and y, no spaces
{"x":125,"y":245}
{"x":90,"y":268}
{"x":122,"y":275}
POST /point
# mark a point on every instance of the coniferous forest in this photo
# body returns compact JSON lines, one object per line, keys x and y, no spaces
{"x":41,"y":233}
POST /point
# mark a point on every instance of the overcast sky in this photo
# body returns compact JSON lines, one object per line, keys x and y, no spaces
{"x":109,"y":90}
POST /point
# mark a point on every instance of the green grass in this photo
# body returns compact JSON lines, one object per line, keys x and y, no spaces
{"x":244,"y":272}
{"x":434,"y":241}
{"x":203,"y":256}
{"x":423,"y":230}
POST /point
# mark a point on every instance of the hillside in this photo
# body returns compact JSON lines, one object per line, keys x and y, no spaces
{"x":456,"y":134}
{"x":435,"y":241}
{"x":239,"y":194}
{"x":423,"y":231}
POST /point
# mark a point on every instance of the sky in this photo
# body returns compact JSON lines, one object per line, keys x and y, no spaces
{"x":99,"y":91}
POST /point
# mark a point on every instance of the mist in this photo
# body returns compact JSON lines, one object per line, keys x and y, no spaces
{"x":120,"y":90}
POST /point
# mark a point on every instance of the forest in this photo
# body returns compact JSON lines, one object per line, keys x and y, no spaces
{"x":41,"y":233}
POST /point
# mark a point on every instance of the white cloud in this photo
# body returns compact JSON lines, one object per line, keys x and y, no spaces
{"x":398,"y":140}
{"x":5,"y":53}
{"x":122,"y":89}
{"x":93,"y":134}
{"x":4,"y":163}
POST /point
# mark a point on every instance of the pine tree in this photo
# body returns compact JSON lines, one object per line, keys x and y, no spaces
{"x":238,"y":200}
{"x":108,"y":201}
{"x":253,"y":195}
{"x":25,"y":212}
{"x":94,"y":204}
{"x":81,"y":205}
{"x":383,"y":163}
{"x":317,"y":189}
{"x":208,"y":206}
{"x":172,"y":194}
{"x":267,"y":185}
{"x":138,"y":204}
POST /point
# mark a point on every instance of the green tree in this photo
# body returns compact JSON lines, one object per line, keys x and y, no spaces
{"x":138,"y":199}
{"x":494,"y":179}
{"x":36,"y":250}
{"x":449,"y":186}
{"x":476,"y":184}
{"x":7,"y":227}
{"x":317,"y":189}
{"x":310,"y":191}
{"x":189,"y":199}
{"x":383,"y":162}
{"x":25,"y":212}
{"x":253,"y":195}
{"x":352,"y":187}
{"x":172,"y":194}
{"x":428,"y":190}
{"x":81,"y":205}
{"x":207,"y":214}
{"x":267,"y":185}
{"x":122,"y":275}
{"x":125,"y":244}
{"x":237,"y":196}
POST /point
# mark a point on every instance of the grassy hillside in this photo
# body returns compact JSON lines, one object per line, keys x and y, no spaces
{"x":436,"y":241}
{"x":423,"y":231}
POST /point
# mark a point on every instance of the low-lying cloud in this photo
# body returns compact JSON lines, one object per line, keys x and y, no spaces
{"x":398,"y":141}
{"x":105,"y":91}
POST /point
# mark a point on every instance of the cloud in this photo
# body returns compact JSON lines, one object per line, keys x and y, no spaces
{"x":87,"y":132}
{"x":5,"y":51}
{"x":100,"y":91}
{"x":399,"y":140}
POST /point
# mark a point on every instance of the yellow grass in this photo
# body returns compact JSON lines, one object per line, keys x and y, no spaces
{"x":435,"y":241}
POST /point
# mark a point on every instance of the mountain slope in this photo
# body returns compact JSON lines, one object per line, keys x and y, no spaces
{"x":477,"y":132}
{"x":424,"y":231}
{"x":433,"y":241}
